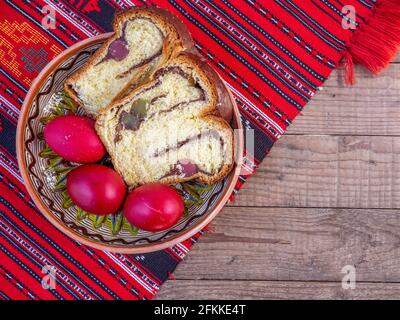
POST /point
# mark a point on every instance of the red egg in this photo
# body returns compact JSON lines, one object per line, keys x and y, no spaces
{"x":74,"y":138}
{"x":153,"y":207}
{"x":96,"y":189}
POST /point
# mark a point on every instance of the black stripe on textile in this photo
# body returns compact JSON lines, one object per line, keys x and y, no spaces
{"x":7,"y":135}
{"x":264,"y":46}
{"x":310,"y":27}
{"x":159,"y":263}
{"x":277,"y":76}
{"x":31,"y":295}
{"x":236,"y":55}
{"x":102,"y":18}
{"x":35,"y":262}
{"x":61,"y":251}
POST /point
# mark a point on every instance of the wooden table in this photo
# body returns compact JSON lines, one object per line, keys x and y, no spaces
{"x":327,"y":195}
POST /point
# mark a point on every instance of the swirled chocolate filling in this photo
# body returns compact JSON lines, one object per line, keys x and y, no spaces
{"x":138,"y":113}
{"x":210,"y":133}
{"x":140,"y":64}
{"x":172,"y":69}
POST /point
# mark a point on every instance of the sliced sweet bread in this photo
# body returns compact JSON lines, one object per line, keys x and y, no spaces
{"x":144,"y":39}
{"x":169,"y":129}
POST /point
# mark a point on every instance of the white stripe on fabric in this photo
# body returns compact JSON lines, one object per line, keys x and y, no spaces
{"x":268,"y":119}
{"x":13,"y":173}
{"x":132,"y":274}
{"x":10,"y":105}
{"x":70,"y":19}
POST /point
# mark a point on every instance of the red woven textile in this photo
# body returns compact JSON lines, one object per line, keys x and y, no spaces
{"x":274,"y":55}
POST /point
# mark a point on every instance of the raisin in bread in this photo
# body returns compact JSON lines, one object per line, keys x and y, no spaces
{"x":144,"y":39}
{"x":170,"y":129}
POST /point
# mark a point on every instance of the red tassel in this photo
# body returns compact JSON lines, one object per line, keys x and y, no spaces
{"x":375,"y":44}
{"x":171,"y":276}
{"x":209,"y":229}
{"x":348,"y":69}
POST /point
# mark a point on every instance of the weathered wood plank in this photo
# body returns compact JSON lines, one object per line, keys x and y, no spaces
{"x":371,"y":107}
{"x":298,"y":245}
{"x":195,"y":289}
{"x":327,"y":171}
{"x":309,"y":246}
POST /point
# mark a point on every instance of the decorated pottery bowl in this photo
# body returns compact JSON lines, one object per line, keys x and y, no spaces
{"x":44,"y":172}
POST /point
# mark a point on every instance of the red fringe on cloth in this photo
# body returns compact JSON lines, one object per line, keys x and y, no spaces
{"x":375,"y":44}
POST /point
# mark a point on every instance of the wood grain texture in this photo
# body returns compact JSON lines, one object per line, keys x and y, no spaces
{"x":327,"y":171}
{"x":371,"y":107}
{"x":297,"y":244}
{"x":328,"y":195}
{"x":211,"y":289}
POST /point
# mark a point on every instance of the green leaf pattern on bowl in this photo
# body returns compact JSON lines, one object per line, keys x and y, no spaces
{"x":190,"y":191}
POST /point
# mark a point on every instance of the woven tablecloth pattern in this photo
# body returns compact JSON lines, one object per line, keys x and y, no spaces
{"x":274,"y":55}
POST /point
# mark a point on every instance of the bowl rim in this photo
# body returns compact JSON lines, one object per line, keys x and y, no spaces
{"x":143,"y":248}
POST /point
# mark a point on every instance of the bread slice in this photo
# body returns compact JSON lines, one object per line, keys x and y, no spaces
{"x":144,"y":39}
{"x":169,"y":129}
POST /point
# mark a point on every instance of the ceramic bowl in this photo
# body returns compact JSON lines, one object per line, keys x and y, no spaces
{"x":34,"y":169}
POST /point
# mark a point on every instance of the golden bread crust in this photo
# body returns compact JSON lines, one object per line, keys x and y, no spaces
{"x":175,"y":42}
